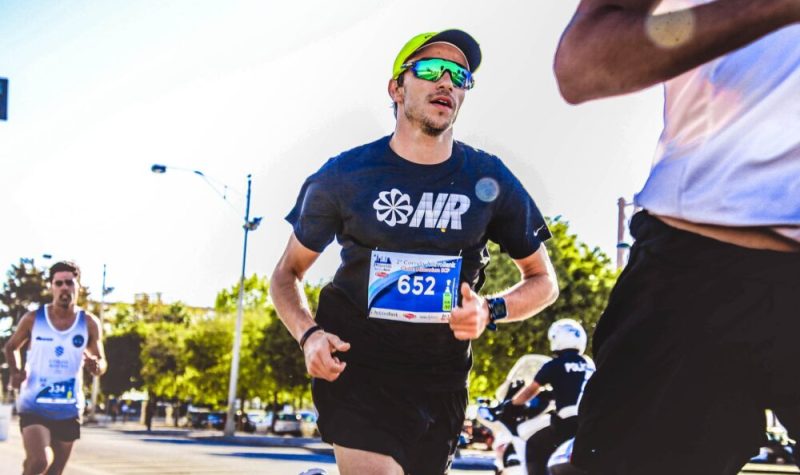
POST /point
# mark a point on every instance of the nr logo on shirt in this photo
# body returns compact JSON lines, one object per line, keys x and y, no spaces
{"x":394,"y":207}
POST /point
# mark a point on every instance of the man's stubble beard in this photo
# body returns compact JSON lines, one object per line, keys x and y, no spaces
{"x":427,"y":125}
{"x":64,"y":302}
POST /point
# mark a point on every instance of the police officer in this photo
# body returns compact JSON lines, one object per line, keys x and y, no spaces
{"x":567,"y":374}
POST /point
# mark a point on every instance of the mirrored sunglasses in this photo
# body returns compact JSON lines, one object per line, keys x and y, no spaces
{"x":432,"y":69}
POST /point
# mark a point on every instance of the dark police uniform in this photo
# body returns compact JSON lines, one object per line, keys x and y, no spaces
{"x":567,"y":374}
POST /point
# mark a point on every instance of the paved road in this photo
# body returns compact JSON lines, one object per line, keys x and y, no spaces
{"x":104,"y":451}
{"x":121,"y":451}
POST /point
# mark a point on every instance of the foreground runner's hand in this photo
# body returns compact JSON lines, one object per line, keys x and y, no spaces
{"x":320,"y":361}
{"x":469,"y":319}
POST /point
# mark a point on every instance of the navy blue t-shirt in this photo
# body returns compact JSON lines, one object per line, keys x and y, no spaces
{"x":369,"y":198}
{"x":567,"y":374}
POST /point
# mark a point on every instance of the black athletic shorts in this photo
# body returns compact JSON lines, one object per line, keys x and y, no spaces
{"x":698,"y":338}
{"x":64,"y":430}
{"x":419,"y":429}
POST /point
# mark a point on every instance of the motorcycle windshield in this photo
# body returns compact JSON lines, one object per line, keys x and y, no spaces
{"x":525,"y":369}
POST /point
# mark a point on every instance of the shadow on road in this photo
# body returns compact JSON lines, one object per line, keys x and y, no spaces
{"x":292,"y":457}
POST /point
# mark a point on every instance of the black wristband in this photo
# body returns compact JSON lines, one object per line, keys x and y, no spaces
{"x":308,"y":333}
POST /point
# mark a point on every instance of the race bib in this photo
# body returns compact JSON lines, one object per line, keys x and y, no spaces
{"x":62,"y":392}
{"x":414,"y":288}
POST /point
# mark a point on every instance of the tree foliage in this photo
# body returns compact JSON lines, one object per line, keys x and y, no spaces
{"x":24,"y":289}
{"x":585,"y":278}
{"x":123,"y":352}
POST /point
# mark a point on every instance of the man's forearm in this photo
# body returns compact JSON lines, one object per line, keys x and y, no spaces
{"x":530,"y":296}
{"x":11,"y":360}
{"x":612,"y":49}
{"x":291,"y":304}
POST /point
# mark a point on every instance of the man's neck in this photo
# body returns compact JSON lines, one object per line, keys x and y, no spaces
{"x":414,"y":145}
{"x":62,"y":313}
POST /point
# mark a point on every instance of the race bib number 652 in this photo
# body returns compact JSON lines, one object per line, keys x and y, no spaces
{"x":415,"y":288}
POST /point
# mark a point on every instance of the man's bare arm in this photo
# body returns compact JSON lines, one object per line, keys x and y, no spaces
{"x":286,"y":290}
{"x":615,"y":47}
{"x":95,"y":356}
{"x":11,"y":349}
{"x":537,"y":288}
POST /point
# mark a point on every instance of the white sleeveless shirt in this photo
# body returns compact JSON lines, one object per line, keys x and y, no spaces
{"x":53,"y":388}
{"x":730,"y":150}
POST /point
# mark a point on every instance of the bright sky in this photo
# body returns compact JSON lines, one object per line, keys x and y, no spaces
{"x":99,"y":91}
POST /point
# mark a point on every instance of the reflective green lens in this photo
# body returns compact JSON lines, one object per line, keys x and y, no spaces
{"x":432,"y":69}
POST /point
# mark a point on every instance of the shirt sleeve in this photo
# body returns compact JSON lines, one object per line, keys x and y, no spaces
{"x":545,"y":375}
{"x":316,"y":217}
{"x":517,"y":225}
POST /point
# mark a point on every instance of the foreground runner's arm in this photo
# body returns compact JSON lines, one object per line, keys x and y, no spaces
{"x":21,"y":336}
{"x":94,"y":357}
{"x":616,"y":46}
{"x":537,"y":289}
{"x":286,"y":290}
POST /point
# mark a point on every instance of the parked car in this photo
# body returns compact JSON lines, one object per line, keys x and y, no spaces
{"x":197,"y":419}
{"x":205,"y":419}
{"x":258,"y":421}
{"x":287,"y":423}
{"x":216,"y":420}
{"x":308,"y":424}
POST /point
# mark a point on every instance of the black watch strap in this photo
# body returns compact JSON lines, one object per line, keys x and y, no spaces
{"x":497,"y":311}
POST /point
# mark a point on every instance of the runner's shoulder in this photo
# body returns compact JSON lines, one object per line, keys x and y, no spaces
{"x":27,"y":320}
{"x":481,"y":158}
{"x":355,"y":158}
{"x":91,"y":319}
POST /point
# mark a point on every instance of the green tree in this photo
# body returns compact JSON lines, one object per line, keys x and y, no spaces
{"x":271,"y":363}
{"x":208,"y":346}
{"x":585,"y":278}
{"x":256,"y":296}
{"x":25,"y":287}
{"x":163,"y":360}
{"x":123,"y":353}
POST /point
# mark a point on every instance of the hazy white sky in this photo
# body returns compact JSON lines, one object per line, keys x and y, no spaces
{"x":99,"y":91}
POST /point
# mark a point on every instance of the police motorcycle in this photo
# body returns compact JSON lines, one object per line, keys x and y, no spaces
{"x":514,"y":425}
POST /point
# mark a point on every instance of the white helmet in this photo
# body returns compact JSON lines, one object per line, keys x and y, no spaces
{"x":567,"y":334}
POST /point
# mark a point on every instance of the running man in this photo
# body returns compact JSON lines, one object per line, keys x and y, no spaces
{"x":62,"y":339}
{"x":700,"y":333}
{"x":389,"y":348}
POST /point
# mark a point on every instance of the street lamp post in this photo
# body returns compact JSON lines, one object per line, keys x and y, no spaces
{"x":96,"y":379}
{"x":249,"y":225}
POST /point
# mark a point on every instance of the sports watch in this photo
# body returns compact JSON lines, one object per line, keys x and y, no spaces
{"x":497,"y":311}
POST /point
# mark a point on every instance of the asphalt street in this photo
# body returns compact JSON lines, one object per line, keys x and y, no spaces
{"x":125,"y":449}
{"x":121,"y":450}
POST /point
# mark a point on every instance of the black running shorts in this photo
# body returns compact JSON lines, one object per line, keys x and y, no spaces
{"x":64,"y":430}
{"x":419,"y":429}
{"x":699,"y":337}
